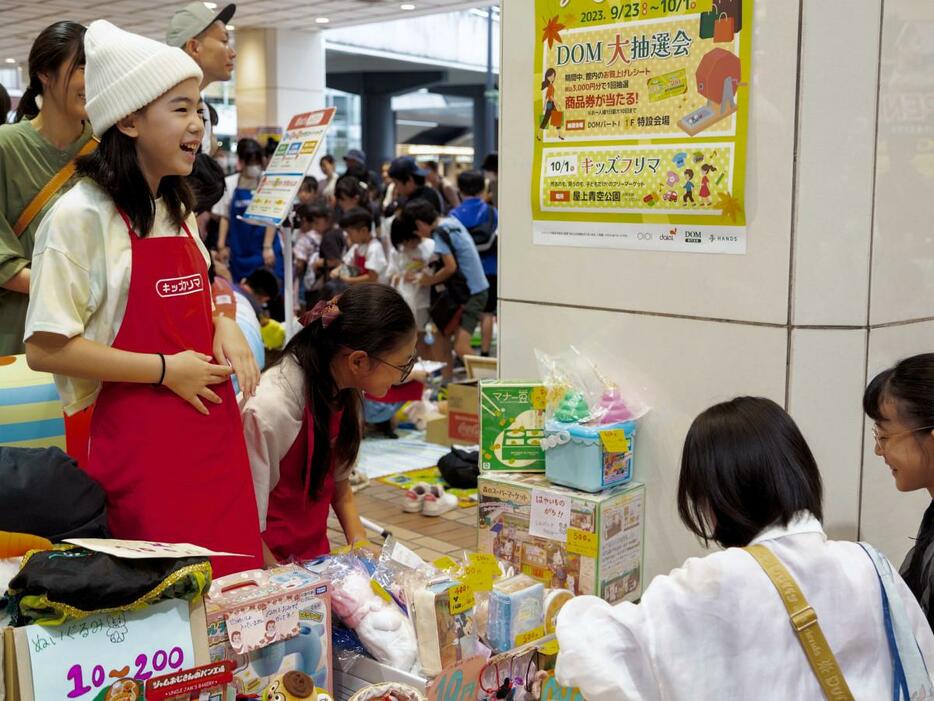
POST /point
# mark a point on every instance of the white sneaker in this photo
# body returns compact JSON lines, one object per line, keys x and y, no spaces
{"x":438,"y":502}
{"x":415,"y":498}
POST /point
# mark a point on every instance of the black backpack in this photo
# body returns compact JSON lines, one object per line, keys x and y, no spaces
{"x":484,"y":233}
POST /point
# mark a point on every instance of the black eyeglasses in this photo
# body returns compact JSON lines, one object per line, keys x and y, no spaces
{"x":406,"y":369}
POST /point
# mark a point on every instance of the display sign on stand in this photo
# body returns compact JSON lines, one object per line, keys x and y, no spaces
{"x":76,"y":659}
{"x":272,"y":201}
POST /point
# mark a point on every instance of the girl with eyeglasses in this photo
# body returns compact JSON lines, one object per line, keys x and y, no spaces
{"x":901,"y":402}
{"x":304,"y":426}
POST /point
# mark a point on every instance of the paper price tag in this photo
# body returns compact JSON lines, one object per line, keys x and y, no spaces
{"x":461,"y":598}
{"x":478,"y":577}
{"x":486,"y":561}
{"x":549,"y":648}
{"x":379,"y":590}
{"x":530,"y":636}
{"x":615,"y":441}
{"x":445,"y":564}
{"x":582,"y":542}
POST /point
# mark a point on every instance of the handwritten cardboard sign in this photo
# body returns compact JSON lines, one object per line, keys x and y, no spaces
{"x":79,"y":658}
{"x":460,"y":683}
{"x":550,"y":516}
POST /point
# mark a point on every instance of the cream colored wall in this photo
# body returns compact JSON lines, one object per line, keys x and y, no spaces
{"x":791,"y":319}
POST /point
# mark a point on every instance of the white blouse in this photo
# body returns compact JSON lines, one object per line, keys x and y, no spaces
{"x":716,"y":628}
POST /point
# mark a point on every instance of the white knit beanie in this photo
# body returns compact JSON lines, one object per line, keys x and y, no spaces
{"x":124,"y":72}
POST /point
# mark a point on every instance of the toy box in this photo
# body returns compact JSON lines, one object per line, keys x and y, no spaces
{"x":269,"y":622}
{"x":512,"y":426}
{"x":591,"y":458}
{"x":463,"y":413}
{"x":587,"y":543}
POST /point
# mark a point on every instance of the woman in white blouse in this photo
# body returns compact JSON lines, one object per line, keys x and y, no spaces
{"x":716,"y":628}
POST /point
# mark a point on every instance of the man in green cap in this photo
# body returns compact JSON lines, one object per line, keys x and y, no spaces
{"x":202,"y":34}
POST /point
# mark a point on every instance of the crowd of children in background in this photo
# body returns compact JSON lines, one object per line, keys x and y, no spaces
{"x":411,"y":229}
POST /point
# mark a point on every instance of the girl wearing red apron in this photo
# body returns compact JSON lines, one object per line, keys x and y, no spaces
{"x":303,"y":428}
{"x":121,"y":312}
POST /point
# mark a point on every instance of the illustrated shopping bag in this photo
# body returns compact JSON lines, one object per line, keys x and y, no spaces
{"x":723,"y":29}
{"x":707,"y":20}
{"x":734,"y":9}
{"x":557,"y":118}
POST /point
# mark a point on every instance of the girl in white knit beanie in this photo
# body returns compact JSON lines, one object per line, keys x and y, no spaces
{"x":121,"y":312}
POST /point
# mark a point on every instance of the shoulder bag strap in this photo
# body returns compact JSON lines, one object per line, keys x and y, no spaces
{"x":46,"y":193}
{"x":804,"y":621}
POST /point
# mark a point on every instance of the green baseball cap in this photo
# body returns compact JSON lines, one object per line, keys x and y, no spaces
{"x":193,"y":19}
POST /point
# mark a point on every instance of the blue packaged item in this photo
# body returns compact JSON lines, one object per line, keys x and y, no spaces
{"x":589,"y":457}
{"x":517,"y":607}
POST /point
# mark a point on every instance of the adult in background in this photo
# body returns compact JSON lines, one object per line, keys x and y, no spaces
{"x":326,"y":186}
{"x":246,"y":247}
{"x":202,"y":33}
{"x":6,"y":104}
{"x":442,"y":185}
{"x":37,"y":156}
{"x":410,"y":184}
{"x":355,"y":160}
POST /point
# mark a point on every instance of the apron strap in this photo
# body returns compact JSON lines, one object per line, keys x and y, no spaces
{"x":129,"y":226}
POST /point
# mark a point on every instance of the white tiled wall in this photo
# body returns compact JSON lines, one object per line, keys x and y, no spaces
{"x":626,"y":307}
{"x":678,"y":366}
{"x":903,"y":238}
{"x":836,"y":143}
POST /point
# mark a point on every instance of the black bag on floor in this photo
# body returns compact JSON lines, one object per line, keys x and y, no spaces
{"x":460,"y":468}
{"x":44,"y":492}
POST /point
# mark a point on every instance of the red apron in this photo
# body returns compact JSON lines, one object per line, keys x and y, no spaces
{"x":296,"y":525}
{"x":359,"y":261}
{"x":172,"y":474}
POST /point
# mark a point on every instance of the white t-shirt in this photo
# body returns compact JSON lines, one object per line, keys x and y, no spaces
{"x":374,"y":254}
{"x":81,"y":275}
{"x":306,"y":247}
{"x":272,"y":421}
{"x":416,"y":295}
{"x":222,"y":207}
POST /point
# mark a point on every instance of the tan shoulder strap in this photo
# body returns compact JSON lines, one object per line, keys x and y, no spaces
{"x":54,"y":185}
{"x":804,"y":621}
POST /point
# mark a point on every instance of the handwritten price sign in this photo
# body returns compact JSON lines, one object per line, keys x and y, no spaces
{"x":459,"y":683}
{"x":76,"y":660}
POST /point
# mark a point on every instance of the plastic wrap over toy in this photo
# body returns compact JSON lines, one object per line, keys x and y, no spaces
{"x":396,"y":564}
{"x":579,"y":393}
{"x":590,"y":425}
{"x":383,"y":628}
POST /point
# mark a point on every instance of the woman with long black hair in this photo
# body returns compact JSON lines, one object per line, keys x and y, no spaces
{"x":37,"y":156}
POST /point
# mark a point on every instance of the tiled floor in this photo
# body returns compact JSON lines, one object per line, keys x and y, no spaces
{"x":451,"y":533}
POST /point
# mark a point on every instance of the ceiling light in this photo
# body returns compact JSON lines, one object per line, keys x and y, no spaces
{"x":211,"y":5}
{"x":407,"y":6}
{"x":230,"y":27}
{"x":11,"y":60}
{"x":322,"y":20}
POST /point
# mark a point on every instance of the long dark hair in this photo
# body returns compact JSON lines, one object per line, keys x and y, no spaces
{"x":549,"y":72}
{"x":114,"y":166}
{"x":745,"y":466}
{"x":350,"y":187}
{"x":55,"y":44}
{"x":373,"y":318}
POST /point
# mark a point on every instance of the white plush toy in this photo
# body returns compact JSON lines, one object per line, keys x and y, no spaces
{"x":384,"y":630}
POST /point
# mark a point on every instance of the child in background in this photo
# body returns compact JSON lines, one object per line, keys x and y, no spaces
{"x":319,"y":249}
{"x":120,"y":311}
{"x":481,"y":220}
{"x":409,"y":257}
{"x":365,"y":258}
{"x":303,"y":427}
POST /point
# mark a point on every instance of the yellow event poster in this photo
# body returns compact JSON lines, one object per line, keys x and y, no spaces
{"x":640,"y":120}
